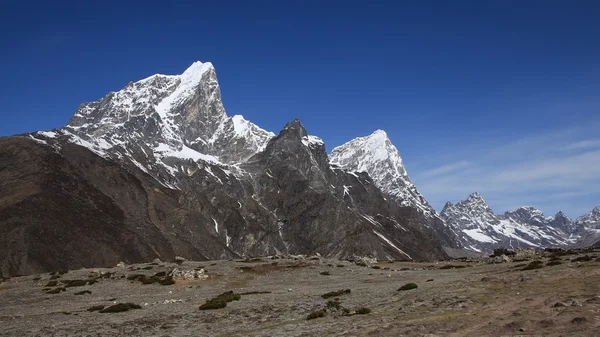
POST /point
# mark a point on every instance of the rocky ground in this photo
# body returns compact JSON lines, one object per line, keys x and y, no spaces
{"x":558,"y":296}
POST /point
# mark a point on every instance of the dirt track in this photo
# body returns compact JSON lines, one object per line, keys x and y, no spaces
{"x":479,"y":299}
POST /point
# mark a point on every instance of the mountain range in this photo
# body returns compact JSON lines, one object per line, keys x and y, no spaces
{"x":158,"y":169}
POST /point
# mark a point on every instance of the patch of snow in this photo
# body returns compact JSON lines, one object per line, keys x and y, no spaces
{"x":216,"y":225}
{"x":478,"y":235}
{"x":391,"y":244}
{"x":48,"y":134}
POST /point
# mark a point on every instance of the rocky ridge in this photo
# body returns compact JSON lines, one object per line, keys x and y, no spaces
{"x":158,"y":169}
{"x":480,"y":229}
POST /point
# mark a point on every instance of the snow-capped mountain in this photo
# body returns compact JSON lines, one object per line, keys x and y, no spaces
{"x":590,"y":220}
{"x":376,"y":155}
{"x":480,"y":229}
{"x":561,"y":221}
{"x":157,"y":122}
{"x":588,"y":228}
{"x":158,"y":169}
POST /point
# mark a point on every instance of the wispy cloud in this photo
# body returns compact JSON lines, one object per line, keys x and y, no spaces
{"x":552,"y":171}
{"x":583,"y":145}
{"x":446,"y":169}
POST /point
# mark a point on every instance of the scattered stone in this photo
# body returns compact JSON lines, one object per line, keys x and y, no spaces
{"x":188,"y":274}
{"x":578,"y":320}
{"x":179,"y":260}
{"x":157,"y":261}
{"x":121,"y":264}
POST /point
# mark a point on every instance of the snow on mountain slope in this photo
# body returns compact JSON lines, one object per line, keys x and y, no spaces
{"x":376,"y":155}
{"x":162,"y":122}
{"x":590,"y":220}
{"x":482,"y":230}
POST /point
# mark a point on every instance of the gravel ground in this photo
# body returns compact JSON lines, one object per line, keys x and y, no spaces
{"x":478,"y":299}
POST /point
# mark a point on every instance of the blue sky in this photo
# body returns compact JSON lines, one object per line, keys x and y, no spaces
{"x":500,"y":97}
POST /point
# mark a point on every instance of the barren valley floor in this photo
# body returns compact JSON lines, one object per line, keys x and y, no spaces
{"x":558,"y":296}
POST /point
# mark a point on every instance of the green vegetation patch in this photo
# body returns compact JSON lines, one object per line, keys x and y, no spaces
{"x":452,"y":266}
{"x":316,"y":314}
{"x":220,"y":301}
{"x":255,"y":292}
{"x":363,"y":311}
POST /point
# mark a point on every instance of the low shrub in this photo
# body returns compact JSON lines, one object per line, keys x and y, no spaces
{"x":537,"y":264}
{"x":326,"y":273}
{"x":120,"y":307}
{"x":340,"y":266}
{"x":452,"y":266}
{"x":376,"y":267}
{"x":553,"y":263}
{"x":363,"y":311}
{"x":161,"y":273}
{"x":336,"y":293}
{"x":408,"y":286}
{"x":316,"y":314}
{"x":255,"y":292}
{"x":220,"y":301}
{"x":334,"y":304}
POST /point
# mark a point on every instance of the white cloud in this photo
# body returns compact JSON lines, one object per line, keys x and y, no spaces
{"x":582,"y":145}
{"x":446,"y":169}
{"x":552,"y":171}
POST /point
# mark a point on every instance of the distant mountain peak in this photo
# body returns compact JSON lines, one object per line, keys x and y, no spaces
{"x":376,"y":155}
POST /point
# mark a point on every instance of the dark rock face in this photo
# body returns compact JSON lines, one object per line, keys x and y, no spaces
{"x":158,"y":170}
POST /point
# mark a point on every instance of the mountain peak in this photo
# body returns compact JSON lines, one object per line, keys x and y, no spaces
{"x":475,"y":197}
{"x":297,"y":127}
{"x":376,"y":155}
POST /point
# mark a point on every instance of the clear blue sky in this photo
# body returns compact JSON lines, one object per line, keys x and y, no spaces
{"x":476,"y":95}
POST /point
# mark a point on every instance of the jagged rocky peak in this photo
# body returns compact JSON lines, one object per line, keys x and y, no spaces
{"x":475,"y":202}
{"x":376,"y":155}
{"x":590,"y":220}
{"x":473,"y":211}
{"x":171,"y":116}
{"x":563,"y":222}
{"x":294,"y":144}
{"x":527,"y":214}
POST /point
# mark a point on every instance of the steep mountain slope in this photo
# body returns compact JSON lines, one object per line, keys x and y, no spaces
{"x":588,"y":228}
{"x":158,"y":169}
{"x":376,"y":155}
{"x":481,"y":230}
